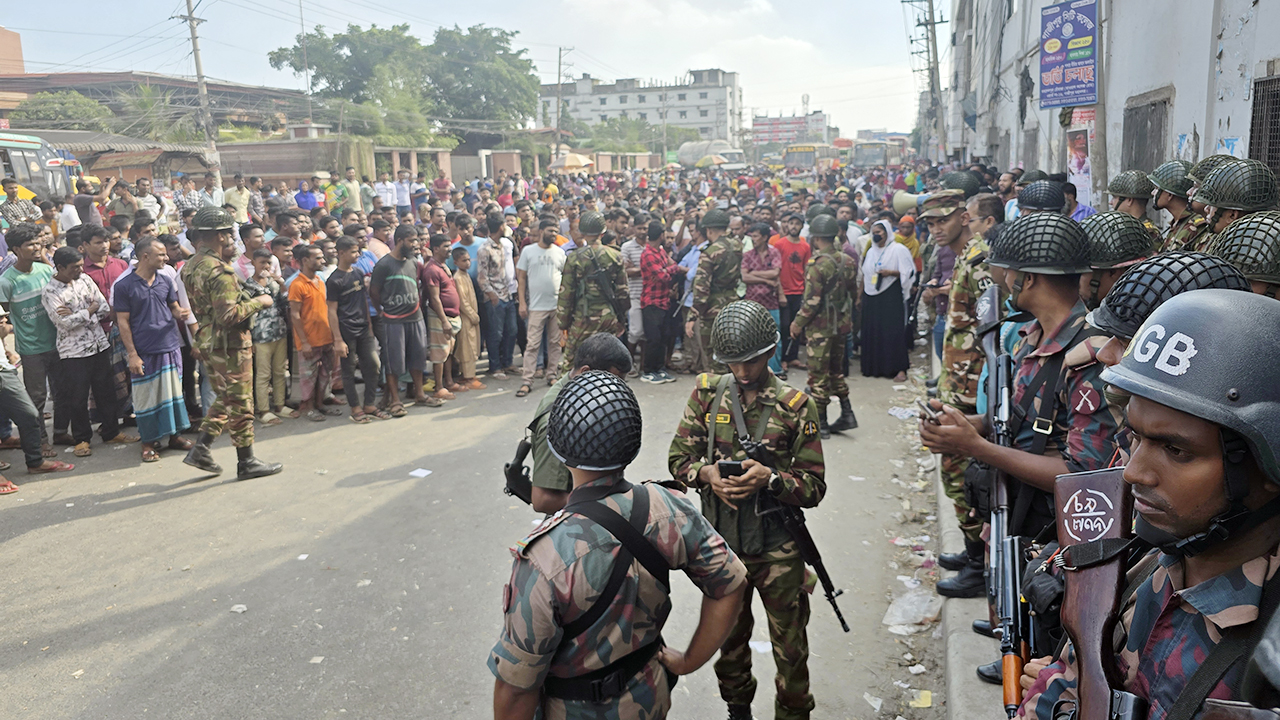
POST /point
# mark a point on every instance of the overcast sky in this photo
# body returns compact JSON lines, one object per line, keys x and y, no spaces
{"x":850,"y":56}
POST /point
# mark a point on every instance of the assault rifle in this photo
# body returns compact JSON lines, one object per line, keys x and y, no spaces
{"x":605,"y":283}
{"x":1008,"y":552}
{"x":792,"y":519}
{"x":519,"y":484}
{"x":1095,"y":521}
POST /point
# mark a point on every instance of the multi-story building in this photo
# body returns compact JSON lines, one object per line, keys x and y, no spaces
{"x":795,"y":128}
{"x":708,"y":101}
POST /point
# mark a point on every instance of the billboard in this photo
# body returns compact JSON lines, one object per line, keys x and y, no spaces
{"x":1069,"y":54}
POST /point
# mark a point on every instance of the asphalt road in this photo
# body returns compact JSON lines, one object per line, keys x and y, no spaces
{"x":371,"y":593}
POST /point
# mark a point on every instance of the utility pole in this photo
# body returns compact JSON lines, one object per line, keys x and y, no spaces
{"x":935,"y":84}
{"x":206,"y":117}
{"x":559,"y":96}
{"x":306,"y":68}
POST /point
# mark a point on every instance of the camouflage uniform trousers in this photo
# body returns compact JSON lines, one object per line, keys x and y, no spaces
{"x":709,"y":363}
{"x":826,"y":363}
{"x":232,"y":408}
{"x":581,"y":330}
{"x":784,"y":586}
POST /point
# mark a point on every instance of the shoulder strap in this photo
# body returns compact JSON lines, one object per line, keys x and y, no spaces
{"x":634,"y":546}
{"x":1237,"y":642}
{"x":713,"y":407}
{"x":740,"y":423}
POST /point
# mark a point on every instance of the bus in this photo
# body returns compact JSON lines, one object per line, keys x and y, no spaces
{"x":810,"y":156}
{"x":875,"y":153}
{"x":41,"y":171}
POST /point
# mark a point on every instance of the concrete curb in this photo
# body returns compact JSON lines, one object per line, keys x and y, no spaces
{"x":968,"y":698}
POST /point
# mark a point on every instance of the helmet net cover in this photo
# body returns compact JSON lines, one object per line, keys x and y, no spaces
{"x":1115,"y":239}
{"x":1131,"y":184}
{"x":1150,"y":283}
{"x":591,"y":223}
{"x":824,"y":226}
{"x":1045,"y":243}
{"x":1174,"y":177}
{"x":818,"y":209}
{"x":1201,"y":170}
{"x":957,"y":180}
{"x":595,"y":423}
{"x":1042,"y":195}
{"x":1252,"y":244}
{"x":743,"y":330}
{"x":212,"y":218}
{"x":1244,"y":185}
{"x":1031,"y":176}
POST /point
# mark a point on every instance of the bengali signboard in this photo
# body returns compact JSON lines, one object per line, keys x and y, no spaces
{"x":1069,"y":54}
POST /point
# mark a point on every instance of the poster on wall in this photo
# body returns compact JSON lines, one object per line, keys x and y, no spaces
{"x":1079,"y":141}
{"x":1068,"y":54}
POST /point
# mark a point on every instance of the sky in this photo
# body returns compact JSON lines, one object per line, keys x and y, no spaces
{"x":850,"y":56}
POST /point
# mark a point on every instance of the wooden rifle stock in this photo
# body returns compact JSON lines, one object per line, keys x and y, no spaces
{"x":1091,"y":506}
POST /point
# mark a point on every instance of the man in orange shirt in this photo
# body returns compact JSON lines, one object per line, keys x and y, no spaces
{"x":795,"y":257}
{"x":308,"y":306}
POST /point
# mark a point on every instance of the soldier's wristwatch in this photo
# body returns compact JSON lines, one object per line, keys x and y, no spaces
{"x":775,"y":483}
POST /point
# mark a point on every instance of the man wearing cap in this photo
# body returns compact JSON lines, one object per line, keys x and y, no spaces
{"x":593,"y":290}
{"x":223,"y":343}
{"x":582,"y":620}
{"x":962,"y":361}
{"x":718,"y":281}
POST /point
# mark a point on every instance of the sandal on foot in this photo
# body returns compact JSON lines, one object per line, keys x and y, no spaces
{"x":122,"y":439}
{"x":10,"y":443}
{"x":398,"y":411}
{"x":525,"y":389}
{"x":83,"y":450}
{"x":149,"y":454}
{"x":48,"y":451}
{"x":380,"y":414}
{"x":331,"y":411}
{"x":315,"y":415}
{"x":429,"y":401}
{"x":289,"y":413}
{"x":7,"y":487}
{"x":361,"y":418}
{"x":270,"y":418}
{"x":177,"y":442}
{"x":50,"y":466}
{"x":4,"y":466}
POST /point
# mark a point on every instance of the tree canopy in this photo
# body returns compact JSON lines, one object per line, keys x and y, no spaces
{"x":62,"y":110}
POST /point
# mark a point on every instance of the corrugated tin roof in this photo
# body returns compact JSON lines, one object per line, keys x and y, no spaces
{"x":90,"y":141}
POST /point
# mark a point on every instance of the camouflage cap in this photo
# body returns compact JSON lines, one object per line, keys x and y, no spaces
{"x":942,"y":203}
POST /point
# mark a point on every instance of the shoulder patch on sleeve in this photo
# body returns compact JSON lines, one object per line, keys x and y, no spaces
{"x":809,"y":428}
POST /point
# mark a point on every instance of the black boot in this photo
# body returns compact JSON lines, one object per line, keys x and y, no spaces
{"x":201,"y":457}
{"x":990,"y":673}
{"x":847,"y":420}
{"x":970,"y":582}
{"x":931,"y":383}
{"x":953,"y":561}
{"x":248,"y":466}
{"x":983,"y":627}
{"x":824,"y":430}
{"x":739,"y":711}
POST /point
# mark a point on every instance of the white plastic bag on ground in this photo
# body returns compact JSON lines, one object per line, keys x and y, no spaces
{"x":914,"y":607}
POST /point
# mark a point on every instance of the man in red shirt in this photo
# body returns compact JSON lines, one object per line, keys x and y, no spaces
{"x":795,"y":257}
{"x":103,"y":269}
{"x":657,"y":272}
{"x":444,"y":320}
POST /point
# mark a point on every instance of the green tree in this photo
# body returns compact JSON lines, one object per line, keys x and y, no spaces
{"x":634,"y":135}
{"x":475,"y":74}
{"x":62,"y":110}
{"x":346,"y":65}
{"x":150,"y":113}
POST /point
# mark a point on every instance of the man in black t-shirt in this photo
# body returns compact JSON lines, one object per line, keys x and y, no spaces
{"x":353,"y":331}
{"x":394,"y":290}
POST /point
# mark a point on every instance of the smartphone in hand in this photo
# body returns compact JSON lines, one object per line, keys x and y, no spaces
{"x":730,"y":468}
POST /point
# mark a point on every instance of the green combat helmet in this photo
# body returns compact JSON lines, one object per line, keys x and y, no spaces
{"x":1148,"y":284}
{"x":212,"y":218}
{"x":716,"y":219}
{"x":817,"y":209}
{"x":1252,"y":244}
{"x":595,"y":423}
{"x":1116,"y":240}
{"x":824,"y":226}
{"x":957,"y":180}
{"x":743,"y":330}
{"x":1245,"y":185}
{"x":1201,"y":170}
{"x":1131,"y":184}
{"x":1042,"y":196}
{"x":1041,"y":243}
{"x":591,"y":223}
{"x":1031,"y":176}
{"x":1173,"y":177}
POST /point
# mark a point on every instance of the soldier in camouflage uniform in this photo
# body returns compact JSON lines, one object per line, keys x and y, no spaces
{"x":590,"y":274}
{"x":718,"y":280}
{"x":825,"y":320}
{"x":785,"y":422}
{"x":1173,"y":183}
{"x":1235,"y":189}
{"x":962,"y":361}
{"x":1253,"y":246}
{"x":1130,"y":193}
{"x":223,"y":343}
{"x":569,"y":648}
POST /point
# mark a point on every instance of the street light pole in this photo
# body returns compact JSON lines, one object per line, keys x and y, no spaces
{"x":206,"y":117}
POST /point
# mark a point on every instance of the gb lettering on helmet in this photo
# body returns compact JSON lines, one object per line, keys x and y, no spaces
{"x":1170,"y":350}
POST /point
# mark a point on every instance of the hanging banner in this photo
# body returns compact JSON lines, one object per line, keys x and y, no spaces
{"x":1068,"y":54}
{"x":1079,"y":141}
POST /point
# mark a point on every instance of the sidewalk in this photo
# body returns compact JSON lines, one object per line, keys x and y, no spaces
{"x":968,"y":698}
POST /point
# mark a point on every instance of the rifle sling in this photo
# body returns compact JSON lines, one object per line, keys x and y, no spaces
{"x":1237,"y":642}
{"x":1096,"y":552}
{"x":629,"y":533}
{"x":735,"y":405}
{"x":713,"y":411}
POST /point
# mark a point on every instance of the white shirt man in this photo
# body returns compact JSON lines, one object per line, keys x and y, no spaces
{"x":386,"y":190}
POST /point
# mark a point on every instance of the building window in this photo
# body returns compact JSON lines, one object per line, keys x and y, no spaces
{"x":662,"y":97}
{"x":704,"y":130}
{"x":680,"y":96}
{"x":1264,"y":134}
{"x":604,"y":118}
{"x":703,"y":113}
{"x":622,"y":99}
{"x":684,"y":114}
{"x":702,"y":96}
{"x":1144,"y":136}
{"x":604,"y":101}
{"x":644,"y":116}
{"x":639,"y":98}
{"x":622,"y":114}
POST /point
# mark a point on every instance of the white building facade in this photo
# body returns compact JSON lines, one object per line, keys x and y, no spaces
{"x":709,"y":101}
{"x":1175,"y":79}
{"x":813,"y":127}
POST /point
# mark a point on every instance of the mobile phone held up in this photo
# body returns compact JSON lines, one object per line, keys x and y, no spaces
{"x":730,"y":468}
